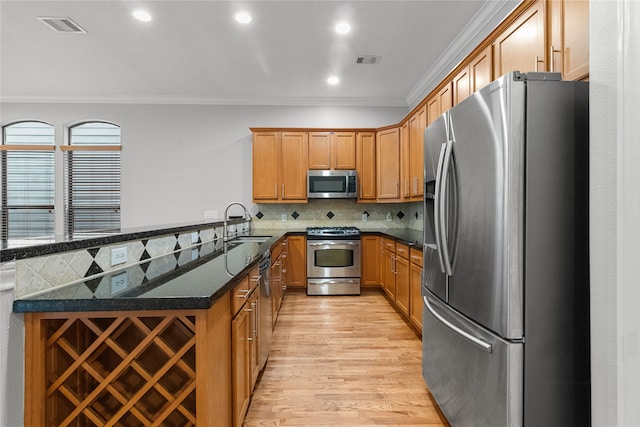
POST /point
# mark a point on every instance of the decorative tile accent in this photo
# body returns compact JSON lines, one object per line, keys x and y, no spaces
{"x":161,"y":246}
{"x":400,"y":214}
{"x":330,"y":214}
{"x":259,"y":215}
{"x":366,"y":213}
{"x":295,"y":215}
{"x":416,"y":214}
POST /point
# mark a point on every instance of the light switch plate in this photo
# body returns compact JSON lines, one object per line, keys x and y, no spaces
{"x":118,"y":255}
{"x":283,"y":217}
{"x":210,"y":214}
{"x":365,"y":217}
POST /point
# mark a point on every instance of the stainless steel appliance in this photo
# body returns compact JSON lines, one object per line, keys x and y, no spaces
{"x":332,"y":184}
{"x":506,"y":273}
{"x":333,"y":261}
{"x":265,"y":312}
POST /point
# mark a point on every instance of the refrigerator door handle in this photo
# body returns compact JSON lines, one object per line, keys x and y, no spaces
{"x":476,"y":341}
{"x":444,"y":247}
{"x":436,"y":207}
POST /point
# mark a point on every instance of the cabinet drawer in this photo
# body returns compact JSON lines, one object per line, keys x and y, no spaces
{"x":402,"y":250}
{"x":240,"y":295}
{"x":254,"y":277}
{"x":388,"y":244}
{"x":416,"y":256}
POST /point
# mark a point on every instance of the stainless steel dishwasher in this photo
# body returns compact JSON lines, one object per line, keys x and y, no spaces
{"x":265,"y":310}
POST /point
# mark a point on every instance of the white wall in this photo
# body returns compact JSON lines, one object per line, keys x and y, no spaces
{"x":615,"y":212}
{"x":180,"y":160}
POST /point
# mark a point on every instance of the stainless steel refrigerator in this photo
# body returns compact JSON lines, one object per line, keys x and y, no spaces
{"x":506,"y":255}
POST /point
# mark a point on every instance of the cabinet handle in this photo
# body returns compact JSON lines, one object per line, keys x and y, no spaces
{"x":275,"y":190}
{"x":538,"y":61}
{"x":398,"y":188}
{"x":244,"y":295}
{"x":283,"y":191}
{"x":551,"y":61}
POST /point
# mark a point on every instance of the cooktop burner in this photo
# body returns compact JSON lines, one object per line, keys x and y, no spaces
{"x":335,"y":232}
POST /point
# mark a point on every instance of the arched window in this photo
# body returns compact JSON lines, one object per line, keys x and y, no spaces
{"x":92,"y":178}
{"x":27,"y":167}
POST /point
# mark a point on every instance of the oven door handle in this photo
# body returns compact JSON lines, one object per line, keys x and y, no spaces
{"x":334,"y":243}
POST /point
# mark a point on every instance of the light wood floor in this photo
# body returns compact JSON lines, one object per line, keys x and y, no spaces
{"x":342,"y":361}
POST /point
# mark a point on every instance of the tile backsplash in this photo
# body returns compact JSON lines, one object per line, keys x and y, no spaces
{"x":337,"y":212}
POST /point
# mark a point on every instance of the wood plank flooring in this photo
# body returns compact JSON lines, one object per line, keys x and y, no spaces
{"x":342,"y":361}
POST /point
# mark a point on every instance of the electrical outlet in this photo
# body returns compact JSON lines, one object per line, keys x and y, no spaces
{"x":210,"y":214}
{"x":388,"y":216}
{"x":365,"y":217}
{"x":194,"y":254}
{"x":194,"y":237}
{"x":119,"y":282}
{"x":118,"y":255}
{"x":283,"y":217}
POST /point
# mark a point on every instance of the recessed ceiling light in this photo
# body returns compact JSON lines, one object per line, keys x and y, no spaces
{"x":141,"y":15}
{"x":333,"y":80}
{"x":243,"y":17}
{"x":342,"y":27}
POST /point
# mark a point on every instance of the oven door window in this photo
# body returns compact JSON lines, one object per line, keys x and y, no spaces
{"x":334,"y":258}
{"x":327,"y":184}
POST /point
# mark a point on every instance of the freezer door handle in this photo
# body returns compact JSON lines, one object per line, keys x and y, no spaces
{"x":476,"y":341}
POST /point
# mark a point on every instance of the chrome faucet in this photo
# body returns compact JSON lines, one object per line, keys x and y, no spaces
{"x":247,"y":217}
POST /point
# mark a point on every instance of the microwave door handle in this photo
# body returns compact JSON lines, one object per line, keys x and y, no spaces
{"x":436,"y":206}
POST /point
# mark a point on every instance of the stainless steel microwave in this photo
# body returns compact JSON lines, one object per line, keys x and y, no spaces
{"x":332,"y":184}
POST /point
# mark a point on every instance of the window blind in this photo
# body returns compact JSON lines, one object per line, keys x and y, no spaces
{"x":92,"y":171}
{"x":27,"y":193}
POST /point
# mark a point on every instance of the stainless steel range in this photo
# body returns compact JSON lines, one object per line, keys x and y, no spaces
{"x":333,"y":261}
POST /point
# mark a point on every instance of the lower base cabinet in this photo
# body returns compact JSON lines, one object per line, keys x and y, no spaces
{"x":415,"y":284}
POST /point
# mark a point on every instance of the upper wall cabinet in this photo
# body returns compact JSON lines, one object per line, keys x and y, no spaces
{"x":474,"y":76}
{"x":569,"y":50}
{"x":332,"y":150}
{"x":280,"y":167}
{"x":439,"y":103}
{"x":388,"y":165}
{"x":366,"y":165}
{"x":521,"y":46}
{"x":417,"y":125}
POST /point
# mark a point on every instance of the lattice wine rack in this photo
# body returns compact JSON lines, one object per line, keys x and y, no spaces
{"x":111,"y":369}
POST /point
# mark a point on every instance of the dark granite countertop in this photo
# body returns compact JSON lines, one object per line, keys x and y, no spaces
{"x":193,"y":278}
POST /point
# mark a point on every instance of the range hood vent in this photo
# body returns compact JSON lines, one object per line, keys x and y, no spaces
{"x":62,"y":25}
{"x":368,"y":59}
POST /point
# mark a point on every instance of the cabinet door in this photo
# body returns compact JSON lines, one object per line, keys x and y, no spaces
{"x":405,"y":160}
{"x":445,"y":97}
{"x":461,"y":85}
{"x":388,"y":165}
{"x":417,"y":125}
{"x":402,"y":296}
{"x":481,"y":69}
{"x":297,"y":262}
{"x":569,"y":51}
{"x":388,"y":260}
{"x":344,"y":150}
{"x":366,"y":156}
{"x":294,"y":166}
{"x":521,"y":47}
{"x":320,"y":150}
{"x":370,"y":260}
{"x":240,"y":359}
{"x":266,"y":166}
{"x":415,"y":277}
{"x":254,"y":340}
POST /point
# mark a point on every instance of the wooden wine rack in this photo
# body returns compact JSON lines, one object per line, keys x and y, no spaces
{"x":144,"y":368}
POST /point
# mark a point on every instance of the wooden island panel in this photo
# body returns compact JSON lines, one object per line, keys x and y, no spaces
{"x":129,"y":368}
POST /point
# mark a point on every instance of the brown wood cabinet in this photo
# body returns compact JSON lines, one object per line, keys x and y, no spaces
{"x":370,"y":275}
{"x":462,"y":85}
{"x":387,"y":267}
{"x":388,"y":165}
{"x":366,"y":165}
{"x":280,"y":167}
{"x":439,"y":103}
{"x":241,"y":362}
{"x":569,"y":49}
{"x":278,"y":276}
{"x":297,"y":262}
{"x":332,"y":150}
{"x":415,"y":284}
{"x":521,"y":46}
{"x":405,"y":162}
{"x":401,"y":271}
{"x":481,"y":69}
{"x":417,"y":125}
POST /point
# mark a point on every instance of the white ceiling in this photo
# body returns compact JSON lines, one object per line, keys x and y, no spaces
{"x":195,"y":52}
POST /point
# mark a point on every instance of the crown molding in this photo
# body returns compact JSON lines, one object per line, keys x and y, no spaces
{"x":239,"y":101}
{"x":481,"y":25}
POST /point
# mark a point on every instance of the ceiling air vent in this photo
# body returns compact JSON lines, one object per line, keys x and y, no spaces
{"x":368,"y":59}
{"x":62,"y":25}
